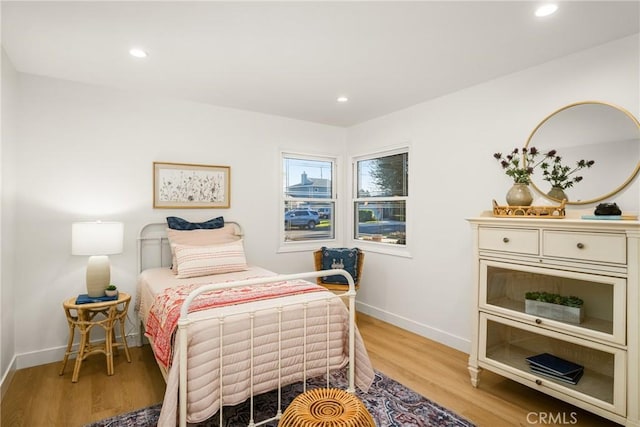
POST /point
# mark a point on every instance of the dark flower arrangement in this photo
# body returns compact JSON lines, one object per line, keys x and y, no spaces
{"x":519,"y":167}
{"x":558,"y":175}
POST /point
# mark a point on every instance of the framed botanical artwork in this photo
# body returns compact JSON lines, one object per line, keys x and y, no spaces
{"x":182,"y":185}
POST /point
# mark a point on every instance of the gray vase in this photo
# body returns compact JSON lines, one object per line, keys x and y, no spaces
{"x":557,"y":193}
{"x":519,"y":195}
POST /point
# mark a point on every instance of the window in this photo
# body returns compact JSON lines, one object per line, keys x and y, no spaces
{"x":381,"y":192}
{"x":309,"y":198}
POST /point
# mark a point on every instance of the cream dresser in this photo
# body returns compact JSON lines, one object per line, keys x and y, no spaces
{"x":597,"y":261}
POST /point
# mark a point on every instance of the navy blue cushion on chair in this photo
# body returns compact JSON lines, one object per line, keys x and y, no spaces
{"x":176,"y":223}
{"x":344,"y":258}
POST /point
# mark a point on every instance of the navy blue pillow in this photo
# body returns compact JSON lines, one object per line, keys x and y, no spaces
{"x":344,"y":258}
{"x":176,"y":223}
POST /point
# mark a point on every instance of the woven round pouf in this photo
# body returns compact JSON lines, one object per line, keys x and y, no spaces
{"x":326,"y":407}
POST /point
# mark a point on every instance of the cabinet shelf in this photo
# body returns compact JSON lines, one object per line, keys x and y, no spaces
{"x":592,"y":323}
{"x":514,"y":345}
{"x":503,"y":286}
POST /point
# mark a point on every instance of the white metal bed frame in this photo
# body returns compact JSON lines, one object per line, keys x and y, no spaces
{"x":185,"y":320}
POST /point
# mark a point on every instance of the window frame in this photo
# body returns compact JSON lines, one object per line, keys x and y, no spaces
{"x":402,"y":250}
{"x":310,"y":244}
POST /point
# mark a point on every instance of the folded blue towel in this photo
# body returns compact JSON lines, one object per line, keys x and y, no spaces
{"x":86,"y":299}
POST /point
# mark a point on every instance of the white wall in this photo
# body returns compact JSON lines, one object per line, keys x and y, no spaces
{"x":86,"y":153}
{"x":7,"y":217}
{"x":454,"y":176}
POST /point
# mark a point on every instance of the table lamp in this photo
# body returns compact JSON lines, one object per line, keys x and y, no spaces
{"x":98,"y":240}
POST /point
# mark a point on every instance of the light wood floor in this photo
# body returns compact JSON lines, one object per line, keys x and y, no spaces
{"x":39,"y":397}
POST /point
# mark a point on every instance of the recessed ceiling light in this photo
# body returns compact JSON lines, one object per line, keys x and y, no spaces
{"x":342,"y":99}
{"x":546,"y":10}
{"x":137,"y":52}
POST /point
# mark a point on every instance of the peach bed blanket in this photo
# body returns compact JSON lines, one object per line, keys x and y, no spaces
{"x":281,"y":350}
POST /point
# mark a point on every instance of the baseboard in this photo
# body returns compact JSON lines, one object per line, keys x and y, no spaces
{"x":459,"y":343}
{"x":56,"y":354}
{"x":7,"y":377}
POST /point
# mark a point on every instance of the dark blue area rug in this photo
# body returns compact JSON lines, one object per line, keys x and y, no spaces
{"x":389,"y":402}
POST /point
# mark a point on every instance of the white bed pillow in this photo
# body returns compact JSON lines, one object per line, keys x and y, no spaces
{"x":201,"y":237}
{"x":195,"y":261}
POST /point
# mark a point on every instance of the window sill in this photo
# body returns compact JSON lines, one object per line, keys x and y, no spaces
{"x":382,"y":248}
{"x":304,"y":246}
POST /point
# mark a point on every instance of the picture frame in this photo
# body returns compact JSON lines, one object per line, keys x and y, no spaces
{"x":191,"y":186}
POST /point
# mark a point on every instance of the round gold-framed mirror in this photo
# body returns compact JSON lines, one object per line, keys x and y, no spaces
{"x":588,"y":131}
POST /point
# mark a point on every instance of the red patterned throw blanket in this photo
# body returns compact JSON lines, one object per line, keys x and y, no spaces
{"x":165,"y":311}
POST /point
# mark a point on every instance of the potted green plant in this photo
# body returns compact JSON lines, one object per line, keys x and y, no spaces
{"x":554,"y":306}
{"x":111,"y":291}
{"x":519,"y":165}
{"x":561,"y":176}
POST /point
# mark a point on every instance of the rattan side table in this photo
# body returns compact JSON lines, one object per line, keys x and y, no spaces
{"x":104,"y":314}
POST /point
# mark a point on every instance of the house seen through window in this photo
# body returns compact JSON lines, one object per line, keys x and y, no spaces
{"x":380,"y":198}
{"x":309,"y":198}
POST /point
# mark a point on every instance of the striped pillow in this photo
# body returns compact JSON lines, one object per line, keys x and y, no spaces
{"x":199,"y":238}
{"x":194,"y":261}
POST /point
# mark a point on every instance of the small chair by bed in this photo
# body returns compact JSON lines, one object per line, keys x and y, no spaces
{"x":350,"y":259}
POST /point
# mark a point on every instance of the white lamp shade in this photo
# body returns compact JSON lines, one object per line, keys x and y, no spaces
{"x":97,"y":238}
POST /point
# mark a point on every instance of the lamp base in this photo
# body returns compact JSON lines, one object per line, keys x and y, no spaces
{"x":98,"y":275}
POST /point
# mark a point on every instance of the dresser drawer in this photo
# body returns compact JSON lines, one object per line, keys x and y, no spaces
{"x":522,"y":241}
{"x":602,"y":247}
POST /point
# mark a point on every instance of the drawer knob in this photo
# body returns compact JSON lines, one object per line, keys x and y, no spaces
{"x":539,"y":382}
{"x":580,"y":245}
{"x":505,"y":239}
{"x":538,"y":321}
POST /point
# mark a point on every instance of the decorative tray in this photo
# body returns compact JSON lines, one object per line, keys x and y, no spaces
{"x":547,"y":212}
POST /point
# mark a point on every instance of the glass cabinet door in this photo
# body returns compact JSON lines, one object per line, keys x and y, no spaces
{"x":508,"y":344}
{"x":504,"y":288}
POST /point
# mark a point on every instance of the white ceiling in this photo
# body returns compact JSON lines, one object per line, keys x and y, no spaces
{"x":294,"y":58}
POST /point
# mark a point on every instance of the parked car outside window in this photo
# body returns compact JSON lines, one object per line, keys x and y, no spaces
{"x":324,"y":212}
{"x":305,"y":218}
